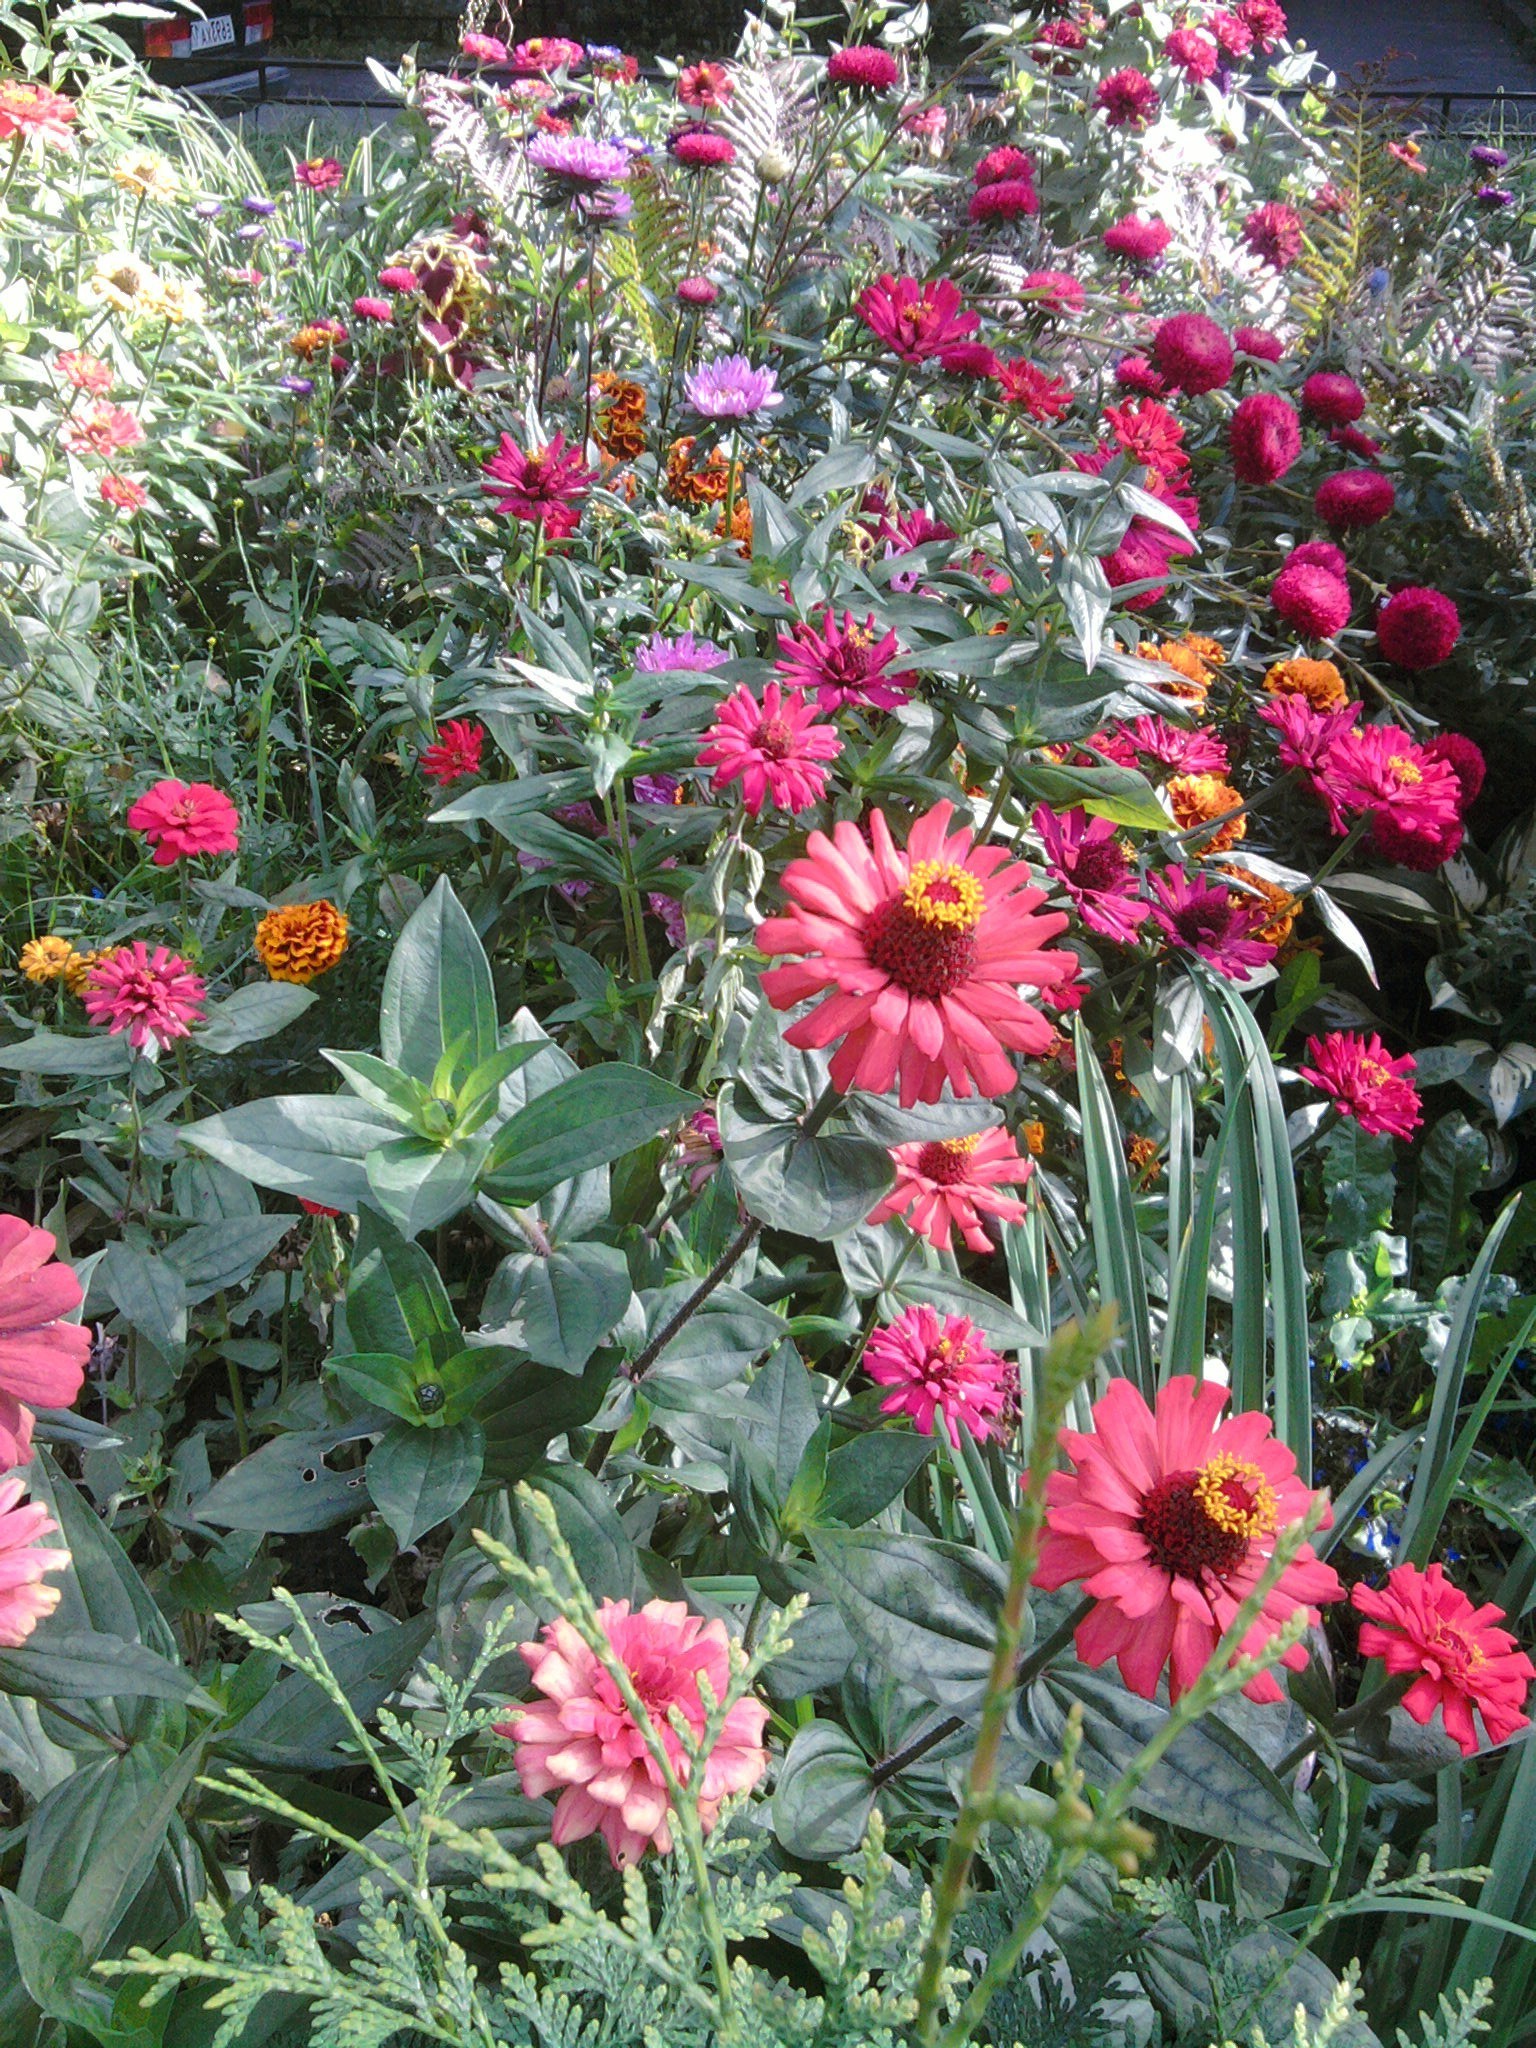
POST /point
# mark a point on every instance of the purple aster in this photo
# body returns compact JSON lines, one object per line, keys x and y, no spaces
{"x":1495,"y":195}
{"x":299,"y":386}
{"x":1490,"y":158}
{"x":604,"y":207}
{"x":251,"y":234}
{"x":293,"y":247}
{"x":261,"y":206}
{"x":208,"y":209}
{"x":728,"y":388}
{"x":575,"y":162}
{"x":658,"y":655}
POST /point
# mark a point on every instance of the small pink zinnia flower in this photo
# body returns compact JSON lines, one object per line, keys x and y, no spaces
{"x":483,"y":49}
{"x":1136,"y":373}
{"x":24,"y":1598}
{"x":1193,"y":354}
{"x":1363,"y":1081}
{"x":914,"y":320}
{"x":919,"y":955}
{"x":582,"y":1742}
{"x":1032,"y":390}
{"x":1265,"y":437}
{"x":697,"y":291}
{"x":1177,"y":749}
{"x":319,"y":174}
{"x":185,"y":820}
{"x":1412,"y":800}
{"x":942,"y":1373}
{"x":545,"y":486}
{"x":951,"y":1183}
{"x":104,"y":430}
{"x":42,"y":1357}
{"x":1053,"y":291}
{"x":122,"y":493}
{"x":1205,"y":918}
{"x":1127,"y":99}
{"x":705,"y":85}
{"x":455,"y":752}
{"x":1274,"y":233}
{"x":84,"y":372}
{"x":1168,"y":1520}
{"x":152,"y":996}
{"x":1417,"y":627}
{"x":1092,"y":863}
{"x":1138,"y":240}
{"x":1332,"y":398}
{"x":1306,"y":738}
{"x":775,"y":750}
{"x":844,"y":664}
{"x":865,"y":65}
{"x":1462,"y":1659}
{"x":1354,"y":499}
{"x":969,"y":359}
{"x":1194,"y":54}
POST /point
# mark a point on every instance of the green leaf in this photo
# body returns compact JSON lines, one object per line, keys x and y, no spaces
{"x":997,"y":1322}
{"x":248,"y":1015}
{"x":567,"y":1302}
{"x":869,"y":1472}
{"x":1116,"y":1238}
{"x":824,"y":1794}
{"x":52,"y":1966}
{"x":437,"y":990}
{"x":293,"y":1726}
{"x":50,"y":1052}
{"x":396,"y":1301}
{"x":818,"y":1186}
{"x":419,"y":1477}
{"x":594,"y":1117}
{"x":925,"y":1610}
{"x":148,"y":1293}
{"x":396,"y":1095}
{"x":1453,"y":1163}
{"x":310,"y":1145}
{"x":285,"y":1488}
{"x":214,"y":1255}
{"x":55,"y":1664}
{"x":1123,"y":795}
{"x":779,"y":1416}
{"x":530,"y":1409}
{"x":419,"y":1184}
{"x":604,"y":1553}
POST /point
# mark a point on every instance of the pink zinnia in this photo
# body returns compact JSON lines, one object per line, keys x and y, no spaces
{"x":1053,"y":291}
{"x":1363,"y":1081}
{"x":844,"y":664}
{"x":775,"y":750}
{"x":1032,"y":390}
{"x":1311,"y":598}
{"x":1417,"y":627}
{"x":1167,"y":1521}
{"x":919,"y":956}
{"x":373,"y":309}
{"x":942,"y":1373}
{"x":1259,"y":343}
{"x":1332,"y":398}
{"x":185,"y":820}
{"x":1092,"y":863}
{"x":42,"y":1357}
{"x":1138,"y":240}
{"x":24,"y":1599}
{"x":1179,"y":749}
{"x":1306,"y":739}
{"x":1194,"y":54}
{"x":865,"y":65}
{"x":951,"y":1183}
{"x":545,"y":486}
{"x":320,"y":173}
{"x":1460,"y":1657}
{"x":1265,"y":437}
{"x":705,"y":85}
{"x":122,"y":493}
{"x":84,"y":372}
{"x":1127,"y":99}
{"x":1149,"y":433}
{"x":1354,"y":499}
{"x":483,"y":49}
{"x":455,"y":752}
{"x":546,"y":54}
{"x":102,"y":431}
{"x":969,"y":359}
{"x":1136,"y":373}
{"x":152,"y":996}
{"x":1274,"y":233}
{"x":1265,"y":21}
{"x":1231,"y":32}
{"x":1413,"y":801}
{"x":1193,"y":354}
{"x":1205,"y":918}
{"x":701,"y":148}
{"x":582,"y":1742}
{"x":914,"y":320}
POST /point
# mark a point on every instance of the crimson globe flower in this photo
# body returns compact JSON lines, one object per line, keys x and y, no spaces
{"x":1127,"y":98}
{"x":1363,"y":1082}
{"x":949,"y":1184}
{"x":542,"y":487}
{"x":915,"y":321}
{"x":1265,"y":21}
{"x":185,"y":820}
{"x":1332,"y":398}
{"x":1194,"y":355}
{"x":1259,"y":343}
{"x":1264,"y":434}
{"x":154,"y":997}
{"x":1417,"y":628}
{"x":1355,"y":499}
{"x":1007,"y":199}
{"x":1311,"y":598}
{"x":42,"y":1357}
{"x":24,"y":1562}
{"x":864,"y":65}
{"x":455,"y":752}
{"x":942,"y":1374}
{"x":844,"y":664}
{"x":1465,"y":760}
{"x":1135,"y":373}
{"x":1138,"y":240}
{"x":1459,"y":1657}
{"x":775,"y":750}
{"x":918,"y":956}
{"x":1167,"y":1520}
{"x":701,"y":148}
{"x":1274,"y":233}
{"x":1004,"y":165}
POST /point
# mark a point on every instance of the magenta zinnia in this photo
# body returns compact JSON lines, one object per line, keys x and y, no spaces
{"x":775,"y":750}
{"x":919,"y":954}
{"x":915,"y":320}
{"x":1167,"y":1521}
{"x":1412,"y":799}
{"x":942,"y":1373}
{"x":844,"y":664}
{"x":544,"y":486}
{"x":582,"y":1741}
{"x":1127,"y":99}
{"x":154,"y":997}
{"x":1363,"y":1081}
{"x":1092,"y":863}
{"x":42,"y":1357}
{"x":951,"y":1183}
{"x":1274,"y":234}
{"x":184,"y":820}
{"x":1205,"y":918}
{"x":1459,"y":1656}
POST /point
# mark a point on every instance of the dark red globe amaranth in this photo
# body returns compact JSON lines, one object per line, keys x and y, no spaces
{"x":925,"y":936}
{"x":1182,"y":1535}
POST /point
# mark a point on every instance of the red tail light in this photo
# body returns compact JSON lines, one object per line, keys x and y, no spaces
{"x":258,"y":21}
{"x":167,"y":39}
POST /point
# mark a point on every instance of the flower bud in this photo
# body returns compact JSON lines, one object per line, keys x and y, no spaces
{"x":773,"y":167}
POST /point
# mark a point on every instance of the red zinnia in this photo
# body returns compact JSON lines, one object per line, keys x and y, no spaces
{"x":844,"y":664}
{"x":1127,"y":99}
{"x":42,"y":1357}
{"x":1362,"y":1080}
{"x":1259,"y":343}
{"x":1193,"y":354}
{"x":1462,"y":1659}
{"x":914,"y":320}
{"x":942,"y":1373}
{"x":152,"y":996}
{"x":184,"y":820}
{"x":1417,"y":627}
{"x":1274,"y":233}
{"x":1194,"y":54}
{"x":1355,"y":498}
{"x":919,"y":955}
{"x":705,"y":85}
{"x":863,"y":64}
{"x":775,"y":750}
{"x":545,"y":486}
{"x":455,"y":752}
{"x":1311,"y":598}
{"x":969,"y":359}
{"x":1003,"y":165}
{"x":951,"y":1183}
{"x":1151,"y":435}
{"x":1033,"y":390}
{"x":1265,"y":437}
{"x":1138,"y":240}
{"x":1333,"y":398}
{"x":1007,"y":199}
{"x":1168,"y":1521}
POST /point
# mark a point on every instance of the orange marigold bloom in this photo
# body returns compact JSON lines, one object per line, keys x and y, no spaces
{"x":317,"y":339}
{"x":1033,"y":1134}
{"x":699,"y":484}
{"x":741,"y":526}
{"x":619,"y":428}
{"x":45,"y":959}
{"x":1318,"y":681}
{"x":300,"y":941}
{"x":1197,"y":799}
{"x":1279,"y":904}
{"x":1142,"y":1156}
{"x":1190,"y":664}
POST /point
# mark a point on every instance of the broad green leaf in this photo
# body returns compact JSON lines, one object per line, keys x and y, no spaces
{"x":54,"y":1664}
{"x":214,"y":1255}
{"x":1123,"y":795}
{"x":148,"y":1293}
{"x":824,"y":1795}
{"x":816,"y":1186}
{"x":50,"y":1052}
{"x":396,"y":1301}
{"x":1453,"y":1164}
{"x":567,"y":1302}
{"x":285,"y":1488}
{"x":248,"y":1015}
{"x":419,"y":1185}
{"x":779,"y":1415}
{"x":998,"y":1323}
{"x":925,"y":1610}
{"x":293,"y":1726}
{"x":604,"y":1552}
{"x":419,"y":1477}
{"x":437,"y":990}
{"x":395,"y":1094}
{"x":869,"y":1472}
{"x":310,"y":1145}
{"x":531,"y":1409}
{"x":594,"y":1117}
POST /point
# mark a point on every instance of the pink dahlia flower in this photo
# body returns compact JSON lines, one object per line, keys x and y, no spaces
{"x":1031,"y":390}
{"x":1274,"y":233}
{"x":1193,"y":354}
{"x":918,"y":955}
{"x":1194,"y":54}
{"x":951,"y":1183}
{"x":1127,"y":99}
{"x":1167,"y":1520}
{"x":455,"y":752}
{"x":915,"y":321}
{"x":1053,"y":291}
{"x":844,"y":664}
{"x":1354,"y":499}
{"x":1413,"y":802}
{"x":1231,"y":32}
{"x":864,"y":65}
{"x":1259,"y":343}
{"x":24,"y":1598}
{"x":582,"y":1742}
{"x":1205,"y":918}
{"x":942,"y":1373}
{"x":1007,"y":199}
{"x":1093,"y":864}
{"x":1460,"y":1657}
{"x":1311,"y":598}
{"x":84,"y":372}
{"x":380,"y":311}
{"x":42,"y":1357}
{"x":1363,"y":1081}
{"x":1265,"y":437}
{"x":543,"y":486}
{"x":1332,"y":398}
{"x":185,"y":820}
{"x":152,"y":996}
{"x":775,"y":750}
{"x":1138,"y":240}
{"x":1417,"y":628}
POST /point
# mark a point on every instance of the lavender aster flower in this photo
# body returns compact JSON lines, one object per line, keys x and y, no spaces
{"x":261,"y":206}
{"x":604,"y":207}
{"x":728,"y":388}
{"x":575,"y":163}
{"x":299,"y":386}
{"x":654,"y":657}
{"x":1495,"y":195}
{"x":1490,"y":158}
{"x":253,"y":233}
{"x":208,"y":209}
{"x":294,"y":248}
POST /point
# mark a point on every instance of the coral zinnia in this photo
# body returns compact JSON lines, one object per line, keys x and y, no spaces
{"x":844,"y":664}
{"x":483,"y":49}
{"x":1417,"y":627}
{"x":864,"y":65}
{"x":1127,"y":98}
{"x":1319,"y":682}
{"x":184,"y":820}
{"x":24,"y":1598}
{"x":1274,"y":234}
{"x":1362,"y":1080}
{"x":582,"y":1741}
{"x":951,"y":1183}
{"x":30,"y":110}
{"x":1208,"y":920}
{"x":1419,"y":1622}
{"x":152,"y":996}
{"x":915,"y":321}
{"x":1332,"y":398}
{"x":545,"y":486}
{"x":1194,"y":355}
{"x":775,"y":750}
{"x":1265,"y":437}
{"x":301,"y":941}
{"x":706,"y":84}
{"x":1354,"y":498}
{"x":122,"y":493}
{"x":42,"y":1357}
{"x":919,"y":954}
{"x":104,"y":430}
{"x":1311,"y":598}
{"x":1092,"y":863}
{"x":84,"y":372}
{"x":455,"y":752}
{"x":942,"y":1373}
{"x":1168,"y":1521}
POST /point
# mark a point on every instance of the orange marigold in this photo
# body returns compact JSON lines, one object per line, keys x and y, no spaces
{"x":1141,"y":1154}
{"x":46,"y":959}
{"x":699,"y":484}
{"x":1197,"y":799}
{"x":1279,"y":904}
{"x":1033,"y":1134}
{"x":741,"y":526}
{"x":1318,"y":681}
{"x":300,"y":941}
{"x":1192,"y":669}
{"x":619,"y":428}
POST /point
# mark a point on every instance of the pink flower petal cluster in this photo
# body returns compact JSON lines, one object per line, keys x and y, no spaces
{"x":1363,"y":1081}
{"x":1093,"y":864}
{"x":1332,"y":398}
{"x":1264,"y":434}
{"x":1192,"y":352}
{"x":949,"y":1184}
{"x":1311,"y":593}
{"x":1412,"y":800}
{"x":844,"y":664}
{"x":25,"y":1599}
{"x":42,"y":1357}
{"x":916,"y":321}
{"x":154,"y":997}
{"x":1138,"y":240}
{"x":104,"y":431}
{"x":864,"y":65}
{"x":1354,"y":499}
{"x":455,"y":752}
{"x":1275,"y":234}
{"x":1127,"y":98}
{"x":1035,"y":392}
{"x":544,"y":486}
{"x":1194,"y":54}
{"x":185,"y":820}
{"x":943,"y":1374}
{"x":1209,"y":920}
{"x":1460,"y":1658}
{"x":775,"y":750}
{"x":1417,"y":627}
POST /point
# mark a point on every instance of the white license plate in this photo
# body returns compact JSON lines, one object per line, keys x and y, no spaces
{"x":209,"y":35}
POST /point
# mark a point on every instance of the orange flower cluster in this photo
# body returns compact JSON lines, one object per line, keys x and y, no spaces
{"x":1197,"y":799}
{"x":619,"y":428}
{"x":697,"y":484}
{"x":1194,"y":659}
{"x":741,"y":525}
{"x":54,"y":959}
{"x":1280,"y":904}
{"x":300,"y":941}
{"x":316,"y":340}
{"x":1318,"y":681}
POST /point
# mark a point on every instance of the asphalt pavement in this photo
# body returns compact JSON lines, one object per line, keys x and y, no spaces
{"x":1433,"y":45}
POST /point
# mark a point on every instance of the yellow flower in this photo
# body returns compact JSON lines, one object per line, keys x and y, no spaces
{"x":125,"y":281}
{"x":76,"y":968}
{"x":46,"y":959}
{"x":178,"y":301}
{"x":299,"y":941}
{"x":148,"y":174}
